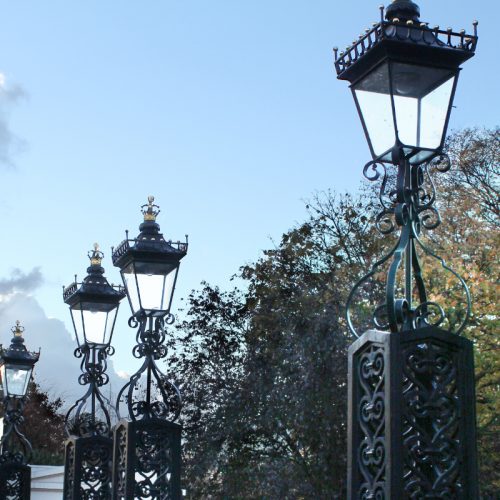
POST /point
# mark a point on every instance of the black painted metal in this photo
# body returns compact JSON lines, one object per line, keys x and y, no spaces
{"x":147,"y":460}
{"x":15,"y":449}
{"x":411,"y":416}
{"x":147,"y":445}
{"x":15,"y":481}
{"x":411,"y":403}
{"x":408,"y":206}
{"x":88,"y":468}
{"x":88,"y":450}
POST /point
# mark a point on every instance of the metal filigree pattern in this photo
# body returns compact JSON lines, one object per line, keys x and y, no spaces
{"x":149,"y":394}
{"x":14,"y":446}
{"x":432,"y":447}
{"x":371,"y":418}
{"x":15,"y":482}
{"x":95,"y":482}
{"x":407,"y":205}
{"x":90,"y":415}
{"x":147,"y":458}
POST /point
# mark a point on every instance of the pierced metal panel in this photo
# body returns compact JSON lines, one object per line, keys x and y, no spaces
{"x":147,"y":460}
{"x":433,"y":450}
{"x":15,"y":481}
{"x":87,"y":472}
{"x":411,"y":416}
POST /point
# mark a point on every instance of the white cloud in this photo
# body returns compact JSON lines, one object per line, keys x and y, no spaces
{"x":57,"y":370}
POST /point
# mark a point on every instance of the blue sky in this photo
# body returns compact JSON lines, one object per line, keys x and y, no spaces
{"x":229,"y":112}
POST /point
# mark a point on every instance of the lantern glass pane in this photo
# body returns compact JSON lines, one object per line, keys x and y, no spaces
{"x":15,"y":379}
{"x":98,"y":325}
{"x":421,"y":102}
{"x":434,"y":110}
{"x":151,"y":288}
{"x":372,"y":94}
{"x":128,"y":276}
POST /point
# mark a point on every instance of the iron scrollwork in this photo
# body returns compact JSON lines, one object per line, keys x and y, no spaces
{"x":431,"y":441}
{"x":371,"y":417}
{"x":149,"y":394}
{"x":90,"y":415}
{"x":407,"y":204}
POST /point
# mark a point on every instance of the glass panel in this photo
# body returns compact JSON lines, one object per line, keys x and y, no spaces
{"x":98,"y":325}
{"x":17,"y":378}
{"x":128,"y":276}
{"x":151,"y":290}
{"x":407,"y":115}
{"x":421,"y":100}
{"x":374,"y":101}
{"x":77,"y":316}
{"x":434,"y":109}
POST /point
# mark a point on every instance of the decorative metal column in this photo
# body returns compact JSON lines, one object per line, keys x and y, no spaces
{"x":93,"y":305}
{"x":411,"y":412}
{"x":147,"y":444}
{"x":16,"y":366}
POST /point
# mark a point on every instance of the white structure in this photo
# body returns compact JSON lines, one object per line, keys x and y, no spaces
{"x":47,"y":482}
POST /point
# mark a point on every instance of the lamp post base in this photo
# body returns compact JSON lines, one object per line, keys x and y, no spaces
{"x":147,"y":460}
{"x":15,"y":481}
{"x":87,"y":468}
{"x":411,"y":416}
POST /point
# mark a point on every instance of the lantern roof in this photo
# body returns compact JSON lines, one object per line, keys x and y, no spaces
{"x":17,"y":352}
{"x":95,"y":287}
{"x":149,"y":245}
{"x":400,"y":35}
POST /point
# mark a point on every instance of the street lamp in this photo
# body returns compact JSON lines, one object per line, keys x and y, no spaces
{"x":147,"y":445}
{"x":411,"y":380}
{"x":16,"y":367}
{"x":93,"y":306}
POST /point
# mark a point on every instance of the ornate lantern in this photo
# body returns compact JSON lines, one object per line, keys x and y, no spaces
{"x":93,"y":306}
{"x":16,"y":367}
{"x":149,"y":266}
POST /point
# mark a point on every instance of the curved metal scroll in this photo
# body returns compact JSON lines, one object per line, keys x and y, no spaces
{"x":148,"y":393}
{"x":409,"y":205}
{"x":13,"y":418}
{"x":90,"y":415}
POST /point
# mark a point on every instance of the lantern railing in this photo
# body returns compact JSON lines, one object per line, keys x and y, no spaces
{"x":129,"y":243}
{"x":404,"y":31}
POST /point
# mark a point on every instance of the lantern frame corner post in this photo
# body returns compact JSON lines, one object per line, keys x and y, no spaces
{"x":147,"y":443}
{"x":93,"y":305}
{"x":411,"y":418}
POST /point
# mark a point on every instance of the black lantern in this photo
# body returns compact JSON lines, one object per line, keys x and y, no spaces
{"x":16,"y":367}
{"x":149,"y":266}
{"x":403,"y":76}
{"x":147,"y":444}
{"x":93,"y":304}
{"x":411,"y":422}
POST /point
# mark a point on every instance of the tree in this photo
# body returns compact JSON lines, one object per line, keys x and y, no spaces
{"x":43,"y":426}
{"x":263,"y":370}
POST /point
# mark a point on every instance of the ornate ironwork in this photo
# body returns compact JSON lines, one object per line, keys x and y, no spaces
{"x":148,"y":393}
{"x":409,"y":206}
{"x":431,"y":414}
{"x":90,"y":415}
{"x":15,"y":481}
{"x":372,"y":447}
{"x":411,"y":416}
{"x":88,"y":424}
{"x":403,"y":30}
{"x":147,"y":460}
{"x":88,"y":465}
